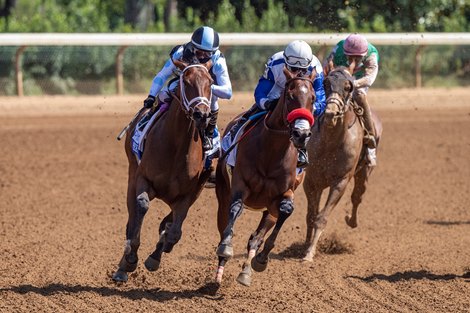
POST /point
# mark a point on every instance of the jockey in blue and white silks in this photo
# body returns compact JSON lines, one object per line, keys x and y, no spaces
{"x":297,"y":57}
{"x":204,"y":46}
{"x":271,"y":84}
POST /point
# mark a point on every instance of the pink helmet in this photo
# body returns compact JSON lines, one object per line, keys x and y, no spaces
{"x":355,"y":44}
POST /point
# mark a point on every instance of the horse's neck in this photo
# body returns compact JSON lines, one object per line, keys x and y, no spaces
{"x":276,"y":120}
{"x":177,"y":124}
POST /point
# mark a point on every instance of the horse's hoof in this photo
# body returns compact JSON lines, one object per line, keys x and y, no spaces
{"x":127,"y":266}
{"x":120,"y":276}
{"x":244,"y":279}
{"x":258,"y":266}
{"x":350,"y":222}
{"x":225,"y":251}
{"x":307,"y":259}
{"x":151,"y":264}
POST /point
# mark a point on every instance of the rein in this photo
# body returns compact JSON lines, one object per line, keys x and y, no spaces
{"x":284,"y":109}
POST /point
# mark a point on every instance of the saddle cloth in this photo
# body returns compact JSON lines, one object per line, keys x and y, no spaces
{"x":143,"y":126}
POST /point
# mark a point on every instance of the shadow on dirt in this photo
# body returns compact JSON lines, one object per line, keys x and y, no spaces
{"x":208,"y":291}
{"x":448,"y":223}
{"x":412,"y":275}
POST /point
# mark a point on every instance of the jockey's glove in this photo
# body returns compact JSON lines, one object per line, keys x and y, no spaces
{"x":148,"y":103}
{"x":270,"y":104}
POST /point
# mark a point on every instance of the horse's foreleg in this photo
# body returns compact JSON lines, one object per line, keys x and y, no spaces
{"x":173,"y":231}
{"x":335,"y":194}
{"x":313,"y":204}
{"x":225,"y":248}
{"x":137,"y":208}
{"x":256,"y":240}
{"x":260,"y":261}
{"x":360,"y":181}
{"x":153,"y":261}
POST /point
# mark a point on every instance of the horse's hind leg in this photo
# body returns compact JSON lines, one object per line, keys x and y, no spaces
{"x":153,"y":261}
{"x":360,"y":182}
{"x":255,"y":241}
{"x":222,"y":190}
{"x":260,"y":261}
{"x":137,"y":207}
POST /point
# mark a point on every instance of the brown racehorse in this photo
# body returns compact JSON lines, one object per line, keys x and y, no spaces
{"x":336,"y":155}
{"x":264,"y":175}
{"x":171,"y":168}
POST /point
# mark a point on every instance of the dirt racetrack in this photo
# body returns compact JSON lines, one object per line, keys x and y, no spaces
{"x":62,"y":219}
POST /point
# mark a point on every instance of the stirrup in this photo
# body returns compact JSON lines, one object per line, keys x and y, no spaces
{"x":207,"y":143}
{"x":302,"y":159}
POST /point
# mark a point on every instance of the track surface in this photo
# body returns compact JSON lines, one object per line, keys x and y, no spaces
{"x":62,"y":219}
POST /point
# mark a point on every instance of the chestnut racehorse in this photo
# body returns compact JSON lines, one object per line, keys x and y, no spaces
{"x":264,"y":176}
{"x":336,"y":154}
{"x":171,"y":168}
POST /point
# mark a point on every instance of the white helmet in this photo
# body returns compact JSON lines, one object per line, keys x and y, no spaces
{"x":298,"y":54}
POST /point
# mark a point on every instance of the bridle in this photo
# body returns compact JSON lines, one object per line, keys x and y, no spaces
{"x":284,"y":107}
{"x":188,"y":105}
{"x":341,"y":104}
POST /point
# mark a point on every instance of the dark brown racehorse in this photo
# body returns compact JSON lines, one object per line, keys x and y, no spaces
{"x":336,"y":155}
{"x":264,"y":176}
{"x":171,"y":168}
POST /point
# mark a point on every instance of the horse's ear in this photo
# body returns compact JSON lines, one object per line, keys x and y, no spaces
{"x":179,"y":64}
{"x":329,"y":66}
{"x":313,"y":74}
{"x":208,"y":64}
{"x":288,"y":74}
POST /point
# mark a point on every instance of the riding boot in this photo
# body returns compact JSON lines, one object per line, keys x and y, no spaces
{"x":369,"y":136}
{"x":302,"y":159}
{"x":209,"y":132}
{"x":242,"y":120}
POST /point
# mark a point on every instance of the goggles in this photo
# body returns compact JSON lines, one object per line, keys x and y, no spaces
{"x":299,"y":70}
{"x":294,"y":61}
{"x":202,"y":54}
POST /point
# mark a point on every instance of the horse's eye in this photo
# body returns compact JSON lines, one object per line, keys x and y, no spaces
{"x":347,"y":86}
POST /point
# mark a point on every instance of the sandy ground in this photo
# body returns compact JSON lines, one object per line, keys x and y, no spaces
{"x":62,"y":219}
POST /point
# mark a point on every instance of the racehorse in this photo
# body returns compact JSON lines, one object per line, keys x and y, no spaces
{"x":171,"y":167}
{"x":264,"y":175}
{"x":336,"y":154}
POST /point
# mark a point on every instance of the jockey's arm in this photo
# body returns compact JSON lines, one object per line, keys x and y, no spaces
{"x":222,"y":87}
{"x":371,"y":69}
{"x":262,"y":90}
{"x":162,"y":76}
{"x":320,"y":97}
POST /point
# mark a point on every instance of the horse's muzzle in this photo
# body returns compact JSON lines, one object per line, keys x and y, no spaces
{"x":331,"y":118}
{"x":300,"y":133}
{"x":201,"y":119}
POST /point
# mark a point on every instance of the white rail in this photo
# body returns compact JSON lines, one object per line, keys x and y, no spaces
{"x":23,"y":40}
{"x":226,"y":39}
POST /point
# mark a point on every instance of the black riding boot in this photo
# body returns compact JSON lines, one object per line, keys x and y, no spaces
{"x":242,"y":120}
{"x":302,"y":159}
{"x":209,"y":132}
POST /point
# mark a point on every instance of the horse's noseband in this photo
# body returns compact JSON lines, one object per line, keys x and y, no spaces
{"x":335,"y":99}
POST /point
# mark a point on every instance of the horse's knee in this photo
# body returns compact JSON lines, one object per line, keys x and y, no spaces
{"x":286,"y":207}
{"x":142,"y":204}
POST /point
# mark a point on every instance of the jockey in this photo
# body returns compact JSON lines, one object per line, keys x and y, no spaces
{"x":297,"y":57}
{"x":362,"y":58}
{"x":204,"y":46}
